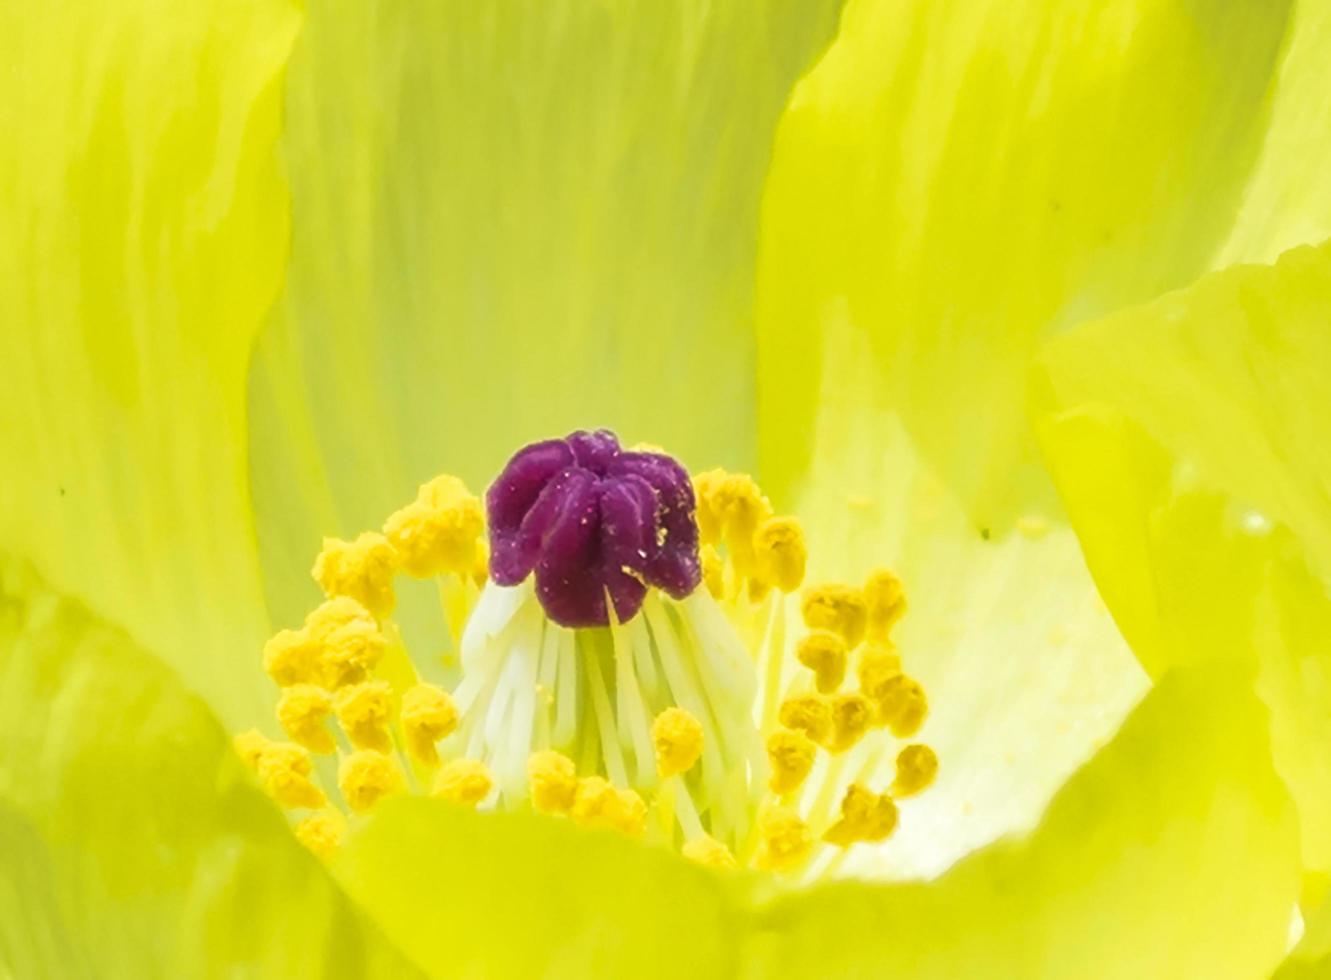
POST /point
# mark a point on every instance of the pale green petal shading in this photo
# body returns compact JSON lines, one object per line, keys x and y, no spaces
{"x":511,"y":219}
{"x":958,"y":180}
{"x":520,"y":895}
{"x":132,"y":842}
{"x":142,"y":234}
{"x":1025,"y":671}
{"x":1288,"y":198}
{"x":1189,"y":439}
{"x":1172,"y":854}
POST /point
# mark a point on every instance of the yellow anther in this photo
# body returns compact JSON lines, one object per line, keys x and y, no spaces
{"x":293,"y":657}
{"x":713,"y":571}
{"x":249,"y":745}
{"x":838,"y":608}
{"x":362,"y":569}
{"x":438,"y":531}
{"x":917,"y":766}
{"x":885,"y":603}
{"x":809,"y":714}
{"x":335,"y":614}
{"x":463,"y":781}
{"x":730,"y":509}
{"x":878,"y":665}
{"x":705,"y":487}
{"x":852,"y":714}
{"x":780,"y":552}
{"x":365,"y":712}
{"x":865,"y":816}
{"x":428,"y":714}
{"x":322,"y":832}
{"x":352,"y":653}
{"x":677,"y":737}
{"x":824,"y":653}
{"x":302,"y":711}
{"x":285,"y":772}
{"x":554,"y":781}
{"x":596,"y":803}
{"x":902,"y":706}
{"x":790,"y":755}
{"x":366,"y":777}
{"x":785,"y":839}
{"x":710,"y":853}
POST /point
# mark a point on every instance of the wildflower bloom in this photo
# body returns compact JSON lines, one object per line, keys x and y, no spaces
{"x":1023,"y":303}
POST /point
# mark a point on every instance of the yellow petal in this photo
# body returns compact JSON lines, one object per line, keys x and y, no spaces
{"x":1173,"y":853}
{"x":955,"y":182}
{"x":521,"y":895}
{"x":142,"y":234}
{"x":132,"y":843}
{"x":1189,"y":440}
{"x":507,"y":225}
{"x":1025,"y":673}
{"x":1288,"y":198}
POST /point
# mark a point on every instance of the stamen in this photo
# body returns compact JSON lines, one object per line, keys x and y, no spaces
{"x":554,"y":781}
{"x":865,"y":816}
{"x":917,"y":766}
{"x":322,"y":832}
{"x":596,"y":803}
{"x":364,"y":711}
{"x":710,"y":853}
{"x":677,"y":736}
{"x":303,"y":711}
{"x":786,"y":840}
{"x":283,"y":769}
{"x":885,"y":602}
{"x":463,"y":781}
{"x":365,"y":777}
{"x":780,"y":553}
{"x":838,"y":608}
{"x":809,"y":714}
{"x":824,"y":652}
{"x":902,"y":706}
{"x":362,"y":569}
{"x":438,"y":531}
{"x":790,"y":755}
{"x":428,"y":715}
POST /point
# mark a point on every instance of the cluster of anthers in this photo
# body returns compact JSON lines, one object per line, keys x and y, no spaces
{"x":630,"y":659}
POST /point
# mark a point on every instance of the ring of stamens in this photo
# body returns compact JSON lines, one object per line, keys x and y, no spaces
{"x":753,"y":723}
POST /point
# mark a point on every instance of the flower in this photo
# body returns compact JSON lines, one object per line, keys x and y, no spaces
{"x":991,"y":295}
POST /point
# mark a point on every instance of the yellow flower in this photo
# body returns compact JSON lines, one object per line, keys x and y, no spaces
{"x":1023,"y":301}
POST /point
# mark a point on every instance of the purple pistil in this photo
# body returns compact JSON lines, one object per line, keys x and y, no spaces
{"x":591,"y":520}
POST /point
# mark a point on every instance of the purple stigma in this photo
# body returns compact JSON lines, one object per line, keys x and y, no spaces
{"x":592,"y":520}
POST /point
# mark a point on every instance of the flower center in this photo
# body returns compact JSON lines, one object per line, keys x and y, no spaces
{"x":598,"y":681}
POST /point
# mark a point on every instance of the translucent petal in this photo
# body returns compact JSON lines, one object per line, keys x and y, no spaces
{"x":512,"y":220}
{"x":132,"y":843}
{"x":1189,"y":439}
{"x":1288,"y":198}
{"x":520,"y":895}
{"x":1173,"y":853}
{"x":1025,"y":672}
{"x":957,"y":181}
{"x":142,"y":233}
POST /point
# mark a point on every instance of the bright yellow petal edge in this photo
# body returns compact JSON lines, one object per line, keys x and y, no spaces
{"x":143,"y":234}
{"x":132,"y":842}
{"x":1189,"y":441}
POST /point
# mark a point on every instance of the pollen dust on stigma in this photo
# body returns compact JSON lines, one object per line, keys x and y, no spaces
{"x":627,"y":663}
